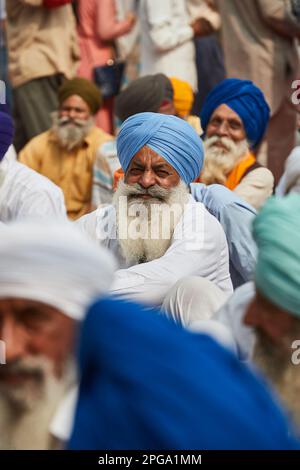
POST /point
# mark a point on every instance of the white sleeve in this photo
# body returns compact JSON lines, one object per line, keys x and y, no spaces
{"x":164,"y":33}
{"x":43,"y":203}
{"x":256,"y":187}
{"x":193,"y":252}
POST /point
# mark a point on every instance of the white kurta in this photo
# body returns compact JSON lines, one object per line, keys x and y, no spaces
{"x":25,"y":193}
{"x":167,"y":44}
{"x":198,"y":248}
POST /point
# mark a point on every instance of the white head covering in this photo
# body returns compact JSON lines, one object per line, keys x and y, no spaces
{"x":53,"y":263}
{"x":290,"y":180}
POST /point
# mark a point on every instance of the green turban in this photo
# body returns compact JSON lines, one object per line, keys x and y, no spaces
{"x":276,"y":231}
{"x":85,"y":89}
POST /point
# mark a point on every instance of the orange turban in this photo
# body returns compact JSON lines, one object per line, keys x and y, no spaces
{"x":183,"y":97}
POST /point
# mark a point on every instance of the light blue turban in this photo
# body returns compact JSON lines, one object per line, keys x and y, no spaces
{"x":245,"y":99}
{"x":277,"y":234}
{"x":172,"y":138}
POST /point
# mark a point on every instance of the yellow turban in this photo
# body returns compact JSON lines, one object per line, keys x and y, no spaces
{"x":183,"y":97}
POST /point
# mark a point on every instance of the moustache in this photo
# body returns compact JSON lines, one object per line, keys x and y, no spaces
{"x":66,"y":121}
{"x":19,"y":368}
{"x":156,"y":192}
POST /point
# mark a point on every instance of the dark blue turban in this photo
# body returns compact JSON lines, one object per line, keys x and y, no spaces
{"x":246,"y":99}
{"x":6,"y":132}
{"x":171,"y":137}
{"x":148,"y":384}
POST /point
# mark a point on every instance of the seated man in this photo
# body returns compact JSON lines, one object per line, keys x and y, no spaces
{"x":23,"y":192}
{"x":234,"y":117}
{"x":263,"y":318}
{"x":275,"y":311}
{"x":49,"y":276}
{"x":157,"y":230}
{"x":152,"y":93}
{"x":66,"y":152}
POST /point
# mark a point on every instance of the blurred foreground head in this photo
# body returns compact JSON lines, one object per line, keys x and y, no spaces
{"x":148,"y":384}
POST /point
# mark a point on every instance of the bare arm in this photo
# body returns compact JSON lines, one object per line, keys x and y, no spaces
{"x":107,"y":25}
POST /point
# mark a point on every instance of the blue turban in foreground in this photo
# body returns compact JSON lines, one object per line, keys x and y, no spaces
{"x":171,"y":137}
{"x":6,"y":133}
{"x":277,"y":235}
{"x":244,"y":98}
{"x":148,"y":384}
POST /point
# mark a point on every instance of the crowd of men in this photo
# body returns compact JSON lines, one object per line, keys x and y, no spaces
{"x":150,"y":278}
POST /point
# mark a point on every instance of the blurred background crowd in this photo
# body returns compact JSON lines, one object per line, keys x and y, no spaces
{"x":186,"y":103}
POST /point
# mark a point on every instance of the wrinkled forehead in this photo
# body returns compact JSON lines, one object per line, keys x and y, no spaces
{"x":225,"y":113}
{"x":19,"y":307}
{"x":146,"y":157}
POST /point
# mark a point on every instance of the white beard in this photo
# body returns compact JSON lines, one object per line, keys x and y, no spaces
{"x":70,"y":134}
{"x":25,"y":414}
{"x":278,"y":369}
{"x":145,"y":227}
{"x":218,"y":161}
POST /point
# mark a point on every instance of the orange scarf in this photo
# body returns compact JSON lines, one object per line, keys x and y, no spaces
{"x":239,"y":171}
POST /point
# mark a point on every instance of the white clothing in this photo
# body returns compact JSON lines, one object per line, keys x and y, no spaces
{"x":61,"y":425}
{"x":11,"y":154}
{"x":198,"y":248}
{"x":192,"y":303}
{"x":193,"y":300}
{"x":256,"y":187}
{"x":231,"y":315}
{"x":290,"y":180}
{"x":167,"y":40}
{"x":25,"y":193}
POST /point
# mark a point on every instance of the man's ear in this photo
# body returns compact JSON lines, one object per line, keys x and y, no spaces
{"x":275,"y":322}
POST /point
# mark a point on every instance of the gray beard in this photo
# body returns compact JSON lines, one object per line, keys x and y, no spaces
{"x":69,"y":134}
{"x":278,"y":369}
{"x":25,"y":416}
{"x":145,"y":227}
{"x":218,"y":162}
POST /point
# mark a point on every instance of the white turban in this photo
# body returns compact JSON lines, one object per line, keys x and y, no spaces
{"x":53,"y":263}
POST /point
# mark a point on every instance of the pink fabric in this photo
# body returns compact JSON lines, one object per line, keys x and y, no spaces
{"x":96,"y":32}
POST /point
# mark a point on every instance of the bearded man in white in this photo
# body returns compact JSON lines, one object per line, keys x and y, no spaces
{"x":234,"y":117}
{"x":50,"y":274}
{"x":162,"y":237}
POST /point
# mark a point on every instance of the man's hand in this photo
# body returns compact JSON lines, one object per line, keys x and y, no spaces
{"x":202,"y":27}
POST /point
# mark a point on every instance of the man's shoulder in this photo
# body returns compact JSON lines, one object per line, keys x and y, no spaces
{"x":20,"y":174}
{"x":39,"y":140}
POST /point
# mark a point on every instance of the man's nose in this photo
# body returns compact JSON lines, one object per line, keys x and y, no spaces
{"x":15,"y":339}
{"x":147,"y":179}
{"x":222,"y":130}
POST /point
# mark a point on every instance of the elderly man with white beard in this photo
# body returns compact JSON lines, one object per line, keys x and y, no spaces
{"x":162,"y":237}
{"x":50,"y":274}
{"x":66,"y":153}
{"x":234,"y":117}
